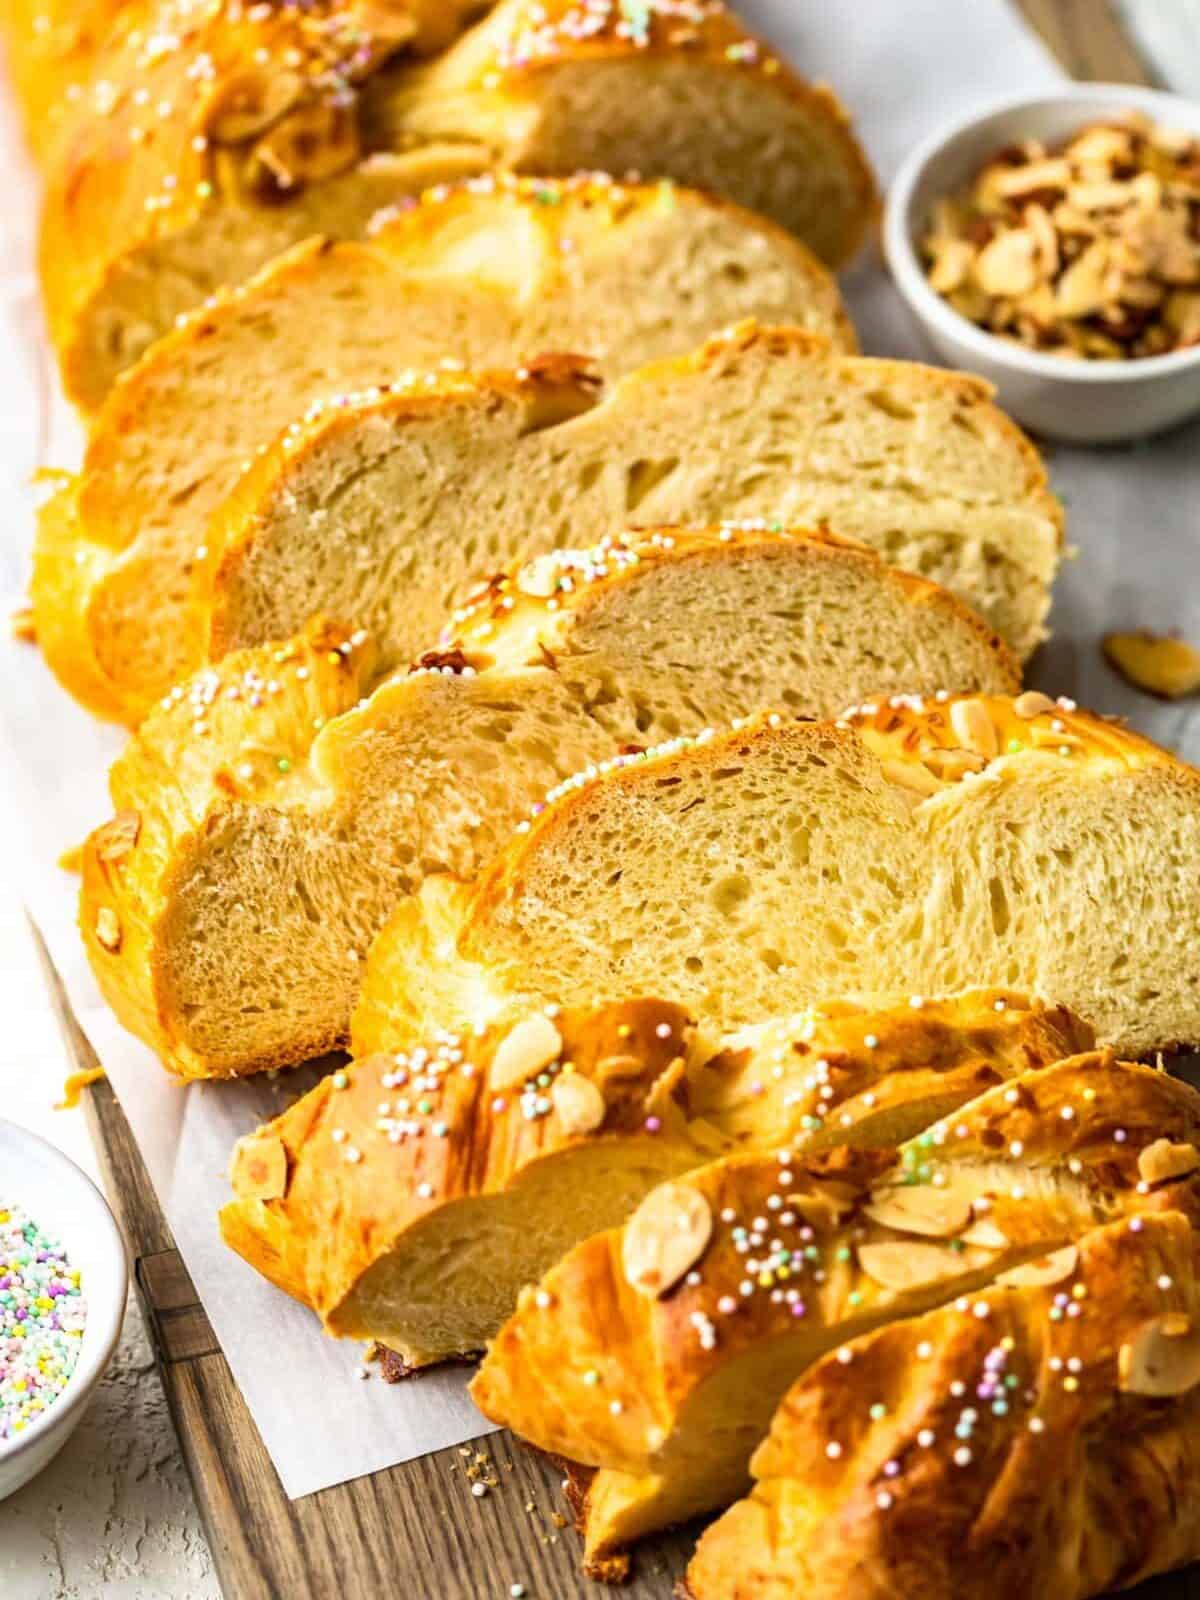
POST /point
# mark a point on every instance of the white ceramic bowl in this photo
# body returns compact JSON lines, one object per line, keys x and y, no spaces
{"x":1083,"y":401}
{"x":68,"y":1206}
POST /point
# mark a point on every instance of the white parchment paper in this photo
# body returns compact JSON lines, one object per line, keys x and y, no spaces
{"x":903,"y":66}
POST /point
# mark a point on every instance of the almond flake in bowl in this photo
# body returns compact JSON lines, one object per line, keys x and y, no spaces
{"x":1087,"y":249}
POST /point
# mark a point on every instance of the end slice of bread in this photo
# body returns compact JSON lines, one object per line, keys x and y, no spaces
{"x":657,"y":1353}
{"x":441,"y":1179}
{"x":490,"y":274}
{"x":949,"y":1456}
{"x":916,"y":845}
{"x":383,"y":508}
{"x":255,"y":921}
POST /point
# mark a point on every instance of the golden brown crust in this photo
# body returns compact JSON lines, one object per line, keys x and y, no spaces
{"x":993,"y":1449}
{"x":538,"y":591}
{"x":902,"y":730}
{"x":358,"y":1179}
{"x":652,"y":1357}
{"x":143,"y":164}
{"x":237,"y":735}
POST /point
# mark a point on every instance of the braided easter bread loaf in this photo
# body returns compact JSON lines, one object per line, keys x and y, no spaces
{"x":657,"y":1353}
{"x":915,"y":846}
{"x":257,"y":905}
{"x":1040,"y":1439}
{"x":214,"y":136}
{"x":494,"y":273}
{"x":408,"y":1198}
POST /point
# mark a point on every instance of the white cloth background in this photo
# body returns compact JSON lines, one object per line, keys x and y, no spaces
{"x":902,"y":69}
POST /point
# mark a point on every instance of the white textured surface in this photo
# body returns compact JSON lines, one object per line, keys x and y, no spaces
{"x":1168,"y":33}
{"x":112,"y":1518}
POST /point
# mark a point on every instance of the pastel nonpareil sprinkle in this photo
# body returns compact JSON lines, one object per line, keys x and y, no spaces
{"x":42,"y":1316}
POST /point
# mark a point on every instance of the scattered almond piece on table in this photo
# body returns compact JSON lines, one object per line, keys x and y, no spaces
{"x":1155,"y":663}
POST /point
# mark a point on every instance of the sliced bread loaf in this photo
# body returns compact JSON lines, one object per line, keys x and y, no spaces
{"x":214,"y":136}
{"x":915,"y":846}
{"x":491,"y":274}
{"x":657,"y":1353}
{"x":383,"y":508}
{"x":1044,"y":1440}
{"x":245,"y":905}
{"x":408,"y":1198}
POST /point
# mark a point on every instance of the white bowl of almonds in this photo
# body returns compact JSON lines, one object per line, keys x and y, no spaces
{"x":1052,"y":245}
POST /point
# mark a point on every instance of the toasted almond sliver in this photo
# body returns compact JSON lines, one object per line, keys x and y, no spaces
{"x":1161,"y":1161}
{"x":974,"y":728}
{"x":1032,"y":704}
{"x":908,"y":1264}
{"x":117,"y":837}
{"x":952,"y":260}
{"x":986,"y":1235}
{"x":540,"y":576}
{"x":951,"y":765}
{"x":1059,"y":1264}
{"x":533,"y":1044}
{"x":108,"y":928}
{"x":259,"y":1167}
{"x":248,"y":103}
{"x":665,"y":1237}
{"x":314,"y":142}
{"x":579,"y":1103}
{"x":1159,"y":665}
{"x":619,"y":1067}
{"x":911,"y":775}
{"x":1083,"y":289}
{"x":920,"y":1208}
{"x":1054,"y":173}
{"x":1005,"y":266}
{"x":1162,"y":1359}
{"x":1045,"y":239}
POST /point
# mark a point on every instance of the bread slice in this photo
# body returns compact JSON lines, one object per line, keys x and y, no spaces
{"x":209,"y":139}
{"x":490,"y":274}
{"x":383,"y":509}
{"x":914,"y":846}
{"x":408,"y":1198}
{"x":657,"y":1353}
{"x":256,"y":900}
{"x":1013,"y":1450}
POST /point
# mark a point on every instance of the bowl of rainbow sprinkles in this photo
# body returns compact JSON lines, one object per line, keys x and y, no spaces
{"x":63,"y":1281}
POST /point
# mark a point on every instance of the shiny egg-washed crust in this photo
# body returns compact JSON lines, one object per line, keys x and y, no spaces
{"x":348,"y":1200}
{"x":668,"y":1397}
{"x":913,"y":743}
{"x":118,"y":559}
{"x":214,"y":723}
{"x":910,"y":730}
{"x":345,"y":1202}
{"x":136,"y":193}
{"x":515,"y":605}
{"x":1069,"y":1486}
{"x":239,"y":733}
{"x":55,"y":49}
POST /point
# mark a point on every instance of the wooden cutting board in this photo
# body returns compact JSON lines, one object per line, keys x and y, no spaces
{"x":415,"y":1531}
